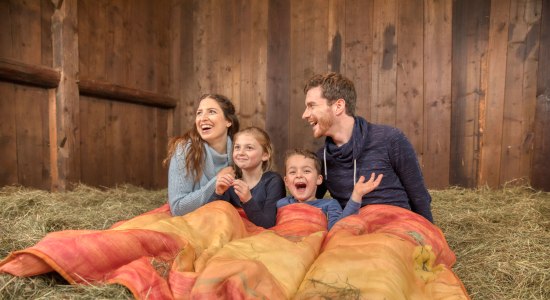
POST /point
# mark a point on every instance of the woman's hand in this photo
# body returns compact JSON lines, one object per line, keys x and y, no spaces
{"x":242,"y":190}
{"x":223,"y":182}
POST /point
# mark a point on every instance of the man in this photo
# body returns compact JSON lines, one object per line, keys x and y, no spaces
{"x":354,"y":147}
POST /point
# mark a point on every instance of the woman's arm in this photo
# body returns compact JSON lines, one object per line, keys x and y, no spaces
{"x":184,"y":195}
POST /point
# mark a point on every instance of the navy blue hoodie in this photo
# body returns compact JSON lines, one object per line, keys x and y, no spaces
{"x":379,"y":149}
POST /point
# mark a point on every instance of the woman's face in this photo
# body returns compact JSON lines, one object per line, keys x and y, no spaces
{"x":210,"y":121}
{"x":248,"y":154}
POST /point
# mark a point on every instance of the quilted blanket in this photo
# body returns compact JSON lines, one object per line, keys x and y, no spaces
{"x":384,"y":252}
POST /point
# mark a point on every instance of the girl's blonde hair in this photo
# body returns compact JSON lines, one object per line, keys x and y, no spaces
{"x":265,"y":142}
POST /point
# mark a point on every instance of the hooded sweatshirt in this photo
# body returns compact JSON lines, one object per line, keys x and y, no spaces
{"x":380,"y":149}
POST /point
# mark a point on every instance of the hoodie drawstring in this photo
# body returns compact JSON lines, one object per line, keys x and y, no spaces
{"x":325,"y":164}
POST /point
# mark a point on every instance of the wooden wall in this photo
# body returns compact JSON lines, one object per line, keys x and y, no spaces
{"x":468,"y":81}
{"x":107,"y":119}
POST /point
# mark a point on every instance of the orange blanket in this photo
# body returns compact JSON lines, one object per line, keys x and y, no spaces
{"x":385,"y":252}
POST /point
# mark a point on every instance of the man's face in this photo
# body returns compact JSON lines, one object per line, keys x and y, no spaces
{"x":318,"y":112}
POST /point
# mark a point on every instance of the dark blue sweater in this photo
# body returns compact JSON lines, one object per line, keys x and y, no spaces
{"x":261,"y":209}
{"x":379,"y":149}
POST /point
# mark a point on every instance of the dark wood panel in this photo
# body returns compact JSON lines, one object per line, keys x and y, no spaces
{"x":437,"y":92}
{"x":31,"y":115}
{"x":384,"y":66}
{"x":6,"y":22}
{"x":541,"y":164}
{"x":491,"y":110}
{"x":188,"y":85}
{"x":21,"y":31}
{"x":46,"y":11}
{"x":309,"y":46}
{"x":520,"y":96}
{"x":278,"y":82}
{"x":159,"y":143}
{"x":470,"y":36}
{"x":8,"y":135}
{"x":358,"y":52}
{"x":410,"y":69}
{"x":93,"y":150}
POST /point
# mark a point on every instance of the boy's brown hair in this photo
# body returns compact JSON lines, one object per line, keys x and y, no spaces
{"x":305,"y":153}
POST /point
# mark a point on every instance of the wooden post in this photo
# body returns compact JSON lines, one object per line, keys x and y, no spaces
{"x":64,"y":130}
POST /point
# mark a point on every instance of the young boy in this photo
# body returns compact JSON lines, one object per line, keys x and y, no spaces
{"x":302,"y":176}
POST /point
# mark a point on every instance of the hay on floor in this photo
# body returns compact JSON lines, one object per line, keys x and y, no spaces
{"x":501,"y":237}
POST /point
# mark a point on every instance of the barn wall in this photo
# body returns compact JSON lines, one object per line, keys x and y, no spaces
{"x":467,"y":81}
{"x":51,"y":137}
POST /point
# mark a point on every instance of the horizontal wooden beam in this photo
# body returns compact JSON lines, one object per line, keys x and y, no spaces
{"x":96,"y":88}
{"x":36,"y":75}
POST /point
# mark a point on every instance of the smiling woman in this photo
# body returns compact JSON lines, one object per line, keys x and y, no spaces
{"x":201,"y":154}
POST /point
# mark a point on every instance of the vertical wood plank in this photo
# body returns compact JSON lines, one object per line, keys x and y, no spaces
{"x":492,"y":110}
{"x":470,"y":36}
{"x":278,"y":83}
{"x":160,"y":141}
{"x":358,"y":52}
{"x":541,"y":164}
{"x":6,"y":16}
{"x":65,"y":49}
{"x":259,"y":38}
{"x":93,"y":137}
{"x":32,"y":136}
{"x":336,"y":36}
{"x":188,"y":67}
{"x":384,"y":63}
{"x":26,"y":31}
{"x":410,"y":68}
{"x":8,"y":135}
{"x":247,"y":99}
{"x":309,"y":52}
{"x":520,"y":101}
{"x":533,"y":10}
{"x":437,"y":92}
{"x":46,"y":11}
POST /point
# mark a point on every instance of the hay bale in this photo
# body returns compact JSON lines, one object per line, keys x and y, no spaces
{"x":501,"y":237}
{"x":27,"y":215}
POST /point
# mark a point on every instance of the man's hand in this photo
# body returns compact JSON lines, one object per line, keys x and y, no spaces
{"x":363,"y":187}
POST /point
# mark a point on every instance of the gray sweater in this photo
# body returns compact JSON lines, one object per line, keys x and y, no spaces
{"x":184,"y":195}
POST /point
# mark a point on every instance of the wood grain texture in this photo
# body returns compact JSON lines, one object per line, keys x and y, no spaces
{"x":541,"y":164}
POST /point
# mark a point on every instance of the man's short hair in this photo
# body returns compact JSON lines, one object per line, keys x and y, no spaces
{"x":335,"y":86}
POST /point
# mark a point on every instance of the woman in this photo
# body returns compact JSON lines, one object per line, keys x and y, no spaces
{"x":201,"y":154}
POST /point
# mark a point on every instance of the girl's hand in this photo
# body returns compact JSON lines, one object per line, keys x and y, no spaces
{"x":242,"y":190}
{"x":224,"y":182}
{"x":363,"y":187}
{"x":226,"y":170}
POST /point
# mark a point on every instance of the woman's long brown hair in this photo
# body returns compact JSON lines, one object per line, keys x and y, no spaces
{"x":194,"y":157}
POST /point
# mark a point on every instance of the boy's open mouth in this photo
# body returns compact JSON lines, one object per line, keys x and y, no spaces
{"x":300,"y":186}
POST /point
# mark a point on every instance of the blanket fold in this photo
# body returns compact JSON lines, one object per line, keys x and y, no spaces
{"x":384,"y":252}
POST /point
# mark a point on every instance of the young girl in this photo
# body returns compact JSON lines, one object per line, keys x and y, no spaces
{"x":255,"y":187}
{"x":201,"y":154}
